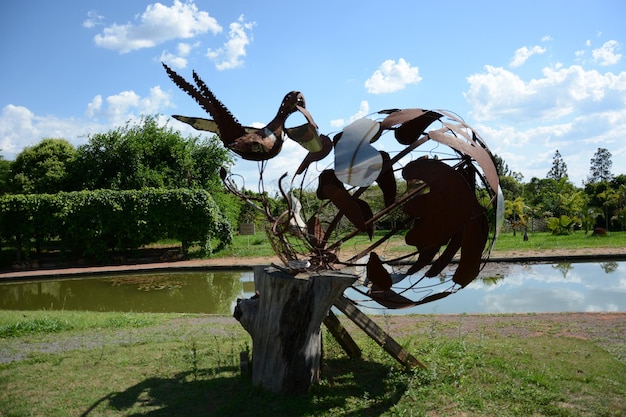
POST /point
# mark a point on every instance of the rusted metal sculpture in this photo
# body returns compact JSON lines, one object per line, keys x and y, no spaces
{"x":441,"y":189}
{"x":450,"y":199}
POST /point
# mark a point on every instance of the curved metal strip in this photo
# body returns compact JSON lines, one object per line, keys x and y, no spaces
{"x":357,"y":162}
{"x":206,"y":125}
{"x":471,"y":148}
{"x":327,"y":146}
{"x":306,"y":135}
{"x":393,"y":300}
{"x":386,"y":180}
{"x":409,"y":124}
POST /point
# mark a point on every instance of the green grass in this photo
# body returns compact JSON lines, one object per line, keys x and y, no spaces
{"x":548,"y":241}
{"x":258,"y":245}
{"x":187,"y":365}
{"x":248,"y":246}
{"x":22,"y":323}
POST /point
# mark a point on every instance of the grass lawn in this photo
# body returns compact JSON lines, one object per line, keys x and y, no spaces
{"x":111,"y":364}
{"x":546,"y":240}
{"x":258,"y":245}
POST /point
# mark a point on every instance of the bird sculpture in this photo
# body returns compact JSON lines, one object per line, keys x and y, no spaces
{"x":248,"y":142}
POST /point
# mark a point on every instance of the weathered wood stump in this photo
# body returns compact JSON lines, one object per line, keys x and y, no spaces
{"x":284,"y":320}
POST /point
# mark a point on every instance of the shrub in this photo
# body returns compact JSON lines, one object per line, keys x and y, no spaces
{"x":90,"y":223}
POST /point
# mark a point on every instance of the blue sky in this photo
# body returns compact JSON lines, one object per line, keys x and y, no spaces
{"x":531,"y":77}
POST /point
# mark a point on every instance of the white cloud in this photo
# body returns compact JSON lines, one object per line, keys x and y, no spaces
{"x":499,"y":93}
{"x":16,"y":124}
{"x":523,"y":53}
{"x":573,"y":109}
{"x":392,"y":76}
{"x":239,"y":37}
{"x":179,"y":59}
{"x":607,"y":53}
{"x":158,"y":24}
{"x":93,"y":19}
{"x":20,"y":127}
{"x":117,"y":109}
{"x":337,"y":122}
{"x":94,"y":107}
{"x":364,"y":110}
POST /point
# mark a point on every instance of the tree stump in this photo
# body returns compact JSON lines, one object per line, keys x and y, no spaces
{"x":284,"y":319}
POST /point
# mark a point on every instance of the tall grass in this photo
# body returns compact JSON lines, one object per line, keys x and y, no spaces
{"x":23,"y":323}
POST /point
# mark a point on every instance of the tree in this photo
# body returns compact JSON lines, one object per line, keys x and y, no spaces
{"x":5,"y":171}
{"x":510,"y":182}
{"x":559,"y":168}
{"x":601,"y":164}
{"x":149,"y":155}
{"x":608,"y":197}
{"x":43,"y":168}
{"x":504,"y":171}
{"x":516,"y":211}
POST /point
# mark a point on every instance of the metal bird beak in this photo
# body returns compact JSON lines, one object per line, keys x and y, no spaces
{"x":306,"y":135}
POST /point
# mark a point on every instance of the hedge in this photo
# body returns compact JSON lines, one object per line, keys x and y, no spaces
{"x":91,"y":223}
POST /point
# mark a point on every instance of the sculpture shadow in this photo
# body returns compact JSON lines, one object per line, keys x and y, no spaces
{"x":206,"y":393}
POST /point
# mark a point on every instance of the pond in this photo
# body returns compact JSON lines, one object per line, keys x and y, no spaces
{"x":502,"y":288}
{"x":212,"y":292}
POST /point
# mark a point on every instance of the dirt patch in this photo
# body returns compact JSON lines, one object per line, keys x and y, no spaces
{"x":607,"y":330}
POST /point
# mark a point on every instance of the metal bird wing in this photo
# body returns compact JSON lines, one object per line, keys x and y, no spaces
{"x":206,"y":125}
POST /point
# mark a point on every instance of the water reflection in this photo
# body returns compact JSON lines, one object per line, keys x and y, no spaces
{"x":501,"y":288}
{"x":190,"y":292}
{"x":537,"y":288}
{"x":558,"y":287}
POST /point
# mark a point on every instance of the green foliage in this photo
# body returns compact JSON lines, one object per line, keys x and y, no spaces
{"x":19,"y":323}
{"x":91,"y":223}
{"x":148,"y":155}
{"x":43,"y":168}
{"x":563,"y":225}
{"x":600,"y":169}
{"x":559,"y":167}
{"x":32,"y":326}
{"x":5,"y":175}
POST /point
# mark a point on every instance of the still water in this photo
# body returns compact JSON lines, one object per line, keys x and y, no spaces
{"x":502,"y":288}
{"x":535,"y":288}
{"x":213,"y":292}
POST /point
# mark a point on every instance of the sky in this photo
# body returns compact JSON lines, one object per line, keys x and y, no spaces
{"x":530,"y":77}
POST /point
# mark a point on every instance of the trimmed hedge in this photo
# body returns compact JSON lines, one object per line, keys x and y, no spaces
{"x":90,"y":223}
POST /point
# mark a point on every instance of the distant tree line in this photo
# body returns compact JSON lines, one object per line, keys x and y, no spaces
{"x":600,"y":204}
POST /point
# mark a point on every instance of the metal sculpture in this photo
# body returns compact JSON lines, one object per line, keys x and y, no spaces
{"x":441,"y":188}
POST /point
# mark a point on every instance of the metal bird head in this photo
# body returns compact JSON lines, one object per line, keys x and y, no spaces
{"x":292,"y":102}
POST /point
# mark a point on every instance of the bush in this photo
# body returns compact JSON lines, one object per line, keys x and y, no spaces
{"x":563,"y":225}
{"x":91,"y":223}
